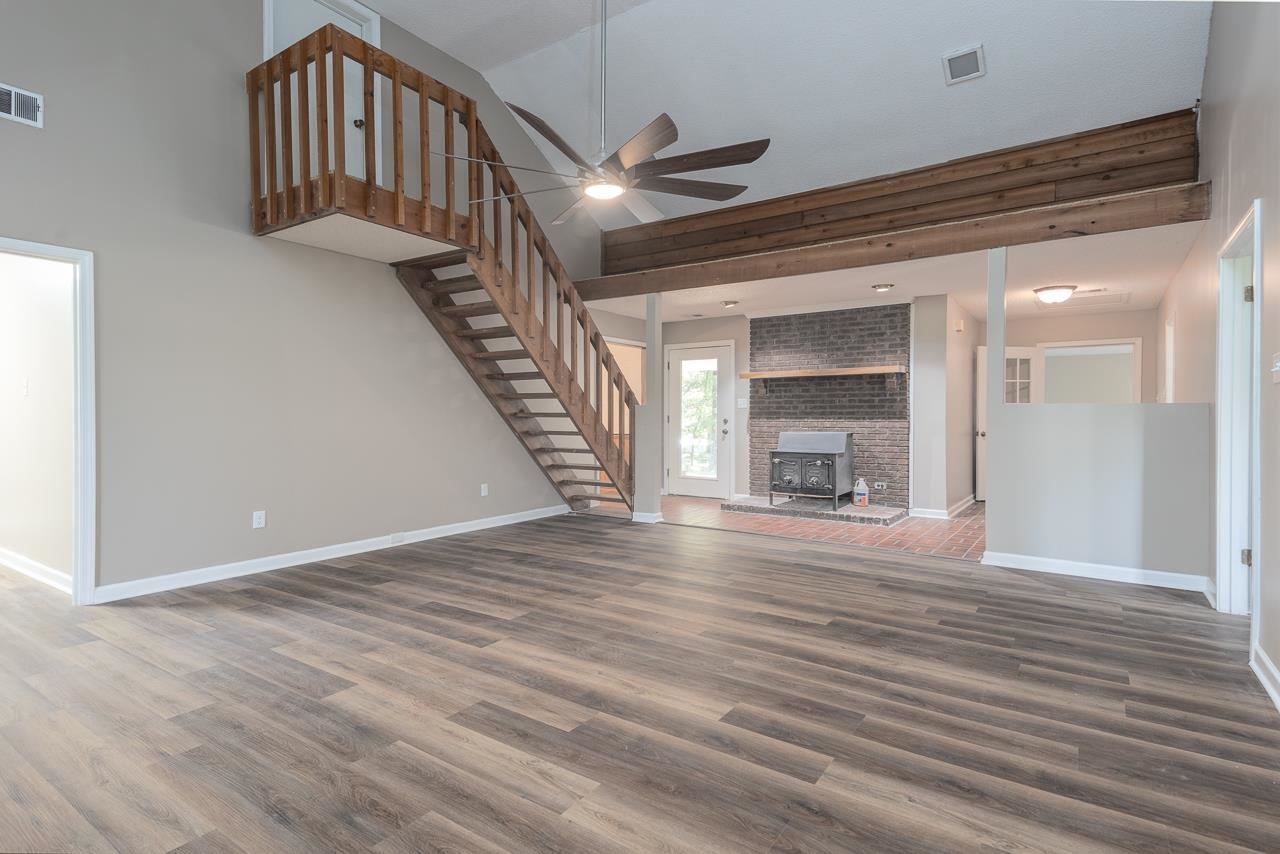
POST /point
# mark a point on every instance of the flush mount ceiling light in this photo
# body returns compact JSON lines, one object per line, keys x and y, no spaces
{"x":1054,"y":294}
{"x":604,"y":190}
{"x":728,"y":303}
{"x":882,"y":287}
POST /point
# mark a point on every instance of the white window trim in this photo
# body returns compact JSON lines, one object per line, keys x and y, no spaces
{"x":1044,"y":346}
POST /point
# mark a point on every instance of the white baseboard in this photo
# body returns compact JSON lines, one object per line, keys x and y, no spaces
{"x":1211,"y":593}
{"x":1267,"y":672}
{"x":1100,"y":571}
{"x":34,"y":569}
{"x":950,"y":513}
{"x":647,"y":518}
{"x":204,"y":575}
{"x":927,"y":513}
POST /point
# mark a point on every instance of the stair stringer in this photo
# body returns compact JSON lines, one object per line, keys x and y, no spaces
{"x":540,"y":448}
{"x":547,"y":359}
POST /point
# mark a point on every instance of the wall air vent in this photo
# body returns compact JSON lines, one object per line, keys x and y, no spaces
{"x":964,"y":64}
{"x":19,"y":105}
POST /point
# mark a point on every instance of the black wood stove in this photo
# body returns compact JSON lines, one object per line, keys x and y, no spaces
{"x":812,"y":465}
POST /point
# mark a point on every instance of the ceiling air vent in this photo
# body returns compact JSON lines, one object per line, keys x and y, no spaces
{"x":964,"y":64}
{"x":19,"y":105}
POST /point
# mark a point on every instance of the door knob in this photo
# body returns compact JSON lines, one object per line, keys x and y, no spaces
{"x":358,"y":123}
{"x":983,"y":434}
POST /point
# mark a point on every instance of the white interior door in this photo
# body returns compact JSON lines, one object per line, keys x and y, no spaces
{"x":700,"y":421}
{"x":1023,"y":382}
{"x":289,"y":21}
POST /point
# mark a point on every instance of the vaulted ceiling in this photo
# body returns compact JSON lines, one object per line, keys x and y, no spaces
{"x":846,"y":90}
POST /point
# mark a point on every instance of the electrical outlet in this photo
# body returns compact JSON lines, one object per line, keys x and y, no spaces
{"x":259,"y":518}
{"x":1275,"y":367}
{"x":484,"y":490}
{"x":26,"y":388}
{"x":881,"y":485}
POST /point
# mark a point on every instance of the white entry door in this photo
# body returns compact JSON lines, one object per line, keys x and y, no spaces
{"x":1023,"y":383}
{"x":700,"y":420}
{"x":290,"y":21}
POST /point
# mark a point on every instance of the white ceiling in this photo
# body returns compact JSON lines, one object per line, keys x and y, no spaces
{"x":487,"y":33}
{"x":1141,"y":263}
{"x":845,"y":90}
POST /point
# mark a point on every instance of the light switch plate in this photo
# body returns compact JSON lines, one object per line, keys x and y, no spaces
{"x":1275,"y":368}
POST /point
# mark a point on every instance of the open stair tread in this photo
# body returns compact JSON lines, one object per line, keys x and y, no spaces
{"x":436,"y":262}
{"x":574,"y":466}
{"x":483,"y":308}
{"x":557,"y":433}
{"x":456,"y":285}
{"x":528,"y":395}
{"x":516,"y":376}
{"x":487,"y":333}
{"x":617,"y":498}
{"x":501,"y":355}
{"x":577,"y":481}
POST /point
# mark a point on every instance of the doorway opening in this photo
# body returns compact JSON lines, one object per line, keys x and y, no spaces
{"x":1238,"y":393}
{"x":47,"y":416}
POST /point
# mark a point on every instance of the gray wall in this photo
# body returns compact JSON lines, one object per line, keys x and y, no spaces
{"x":929,"y":398}
{"x":235,"y":373}
{"x":875,"y":408}
{"x":37,"y":410}
{"x":1239,"y":138}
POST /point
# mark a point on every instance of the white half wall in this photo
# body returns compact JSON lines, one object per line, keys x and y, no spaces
{"x":1123,"y":487}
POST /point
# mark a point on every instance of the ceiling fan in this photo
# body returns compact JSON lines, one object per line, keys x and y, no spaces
{"x":633,"y":165}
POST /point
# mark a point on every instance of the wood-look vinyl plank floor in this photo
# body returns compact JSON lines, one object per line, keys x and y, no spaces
{"x":582,"y":684}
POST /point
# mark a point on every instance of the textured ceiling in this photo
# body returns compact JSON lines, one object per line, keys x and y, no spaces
{"x":488,"y":33}
{"x":846,"y":90}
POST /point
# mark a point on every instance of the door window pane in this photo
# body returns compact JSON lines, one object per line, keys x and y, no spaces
{"x":699,"y":380}
{"x":1017,"y":380}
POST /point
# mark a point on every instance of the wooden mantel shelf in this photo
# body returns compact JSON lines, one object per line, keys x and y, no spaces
{"x":823,"y":372}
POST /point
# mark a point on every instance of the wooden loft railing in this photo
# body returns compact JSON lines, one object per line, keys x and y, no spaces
{"x":288,"y":123}
{"x":447,"y":183}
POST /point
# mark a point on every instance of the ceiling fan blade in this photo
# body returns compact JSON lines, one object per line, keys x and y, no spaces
{"x":685,"y":187}
{"x":653,"y":137}
{"x":694,"y":161}
{"x":551,"y":136}
{"x":568,"y":212}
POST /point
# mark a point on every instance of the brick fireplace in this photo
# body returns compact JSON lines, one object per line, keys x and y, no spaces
{"x":875,"y":409}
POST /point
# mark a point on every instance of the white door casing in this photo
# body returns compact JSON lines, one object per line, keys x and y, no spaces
{"x":699,"y":419}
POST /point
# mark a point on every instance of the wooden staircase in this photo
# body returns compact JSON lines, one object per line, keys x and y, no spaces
{"x":488,"y":280}
{"x":481,"y":320}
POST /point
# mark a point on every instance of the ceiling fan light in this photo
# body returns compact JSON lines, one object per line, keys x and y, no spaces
{"x":604,"y":190}
{"x":1054,"y":294}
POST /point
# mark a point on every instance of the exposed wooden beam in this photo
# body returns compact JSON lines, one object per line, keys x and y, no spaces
{"x":1119,"y":212}
{"x":1138,"y":155}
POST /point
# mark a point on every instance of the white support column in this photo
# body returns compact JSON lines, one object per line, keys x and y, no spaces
{"x":997,"y":270}
{"x":647,"y":503}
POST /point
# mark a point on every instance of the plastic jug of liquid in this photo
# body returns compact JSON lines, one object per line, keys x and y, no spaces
{"x":860,"y":493}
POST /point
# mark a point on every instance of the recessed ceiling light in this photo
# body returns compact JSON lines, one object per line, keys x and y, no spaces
{"x":882,"y":287}
{"x":1054,"y":293}
{"x":728,"y":303}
